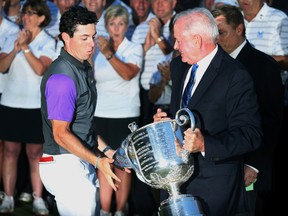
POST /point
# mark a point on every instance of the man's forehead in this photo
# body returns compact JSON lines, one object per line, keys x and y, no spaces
{"x":85,"y":29}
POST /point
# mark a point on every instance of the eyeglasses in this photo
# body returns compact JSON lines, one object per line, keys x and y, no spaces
{"x":29,"y":13}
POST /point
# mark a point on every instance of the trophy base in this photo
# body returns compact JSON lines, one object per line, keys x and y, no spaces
{"x":181,"y":205}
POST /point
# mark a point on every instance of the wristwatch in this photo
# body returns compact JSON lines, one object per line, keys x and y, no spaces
{"x":107,"y":148}
{"x":158,"y":40}
{"x":110,"y":57}
{"x":26,"y":50}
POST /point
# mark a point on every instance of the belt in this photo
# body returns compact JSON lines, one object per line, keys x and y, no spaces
{"x":46,"y":159}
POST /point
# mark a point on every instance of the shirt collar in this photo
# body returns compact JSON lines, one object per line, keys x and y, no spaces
{"x":262,"y":13}
{"x":204,"y":63}
{"x":74,"y":61}
{"x":236,"y":52}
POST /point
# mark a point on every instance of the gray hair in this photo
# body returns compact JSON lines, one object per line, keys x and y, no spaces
{"x":199,"y":21}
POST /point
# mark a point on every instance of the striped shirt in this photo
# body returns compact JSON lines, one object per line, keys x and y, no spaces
{"x":154,"y":55}
{"x":268,"y":31}
{"x":141,"y":30}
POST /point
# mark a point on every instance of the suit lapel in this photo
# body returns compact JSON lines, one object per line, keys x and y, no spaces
{"x":183,"y":81}
{"x":207,"y":78}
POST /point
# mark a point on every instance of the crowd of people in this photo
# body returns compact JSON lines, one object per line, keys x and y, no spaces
{"x":74,"y":74}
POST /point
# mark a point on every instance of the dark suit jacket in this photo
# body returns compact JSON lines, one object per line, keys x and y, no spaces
{"x":269,"y":89}
{"x":226,"y":111}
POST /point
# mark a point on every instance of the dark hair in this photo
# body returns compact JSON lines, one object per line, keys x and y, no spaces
{"x":41,"y":8}
{"x":74,"y":16}
{"x":232,"y":15}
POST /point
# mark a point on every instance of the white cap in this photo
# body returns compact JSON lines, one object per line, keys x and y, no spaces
{"x":227,"y":2}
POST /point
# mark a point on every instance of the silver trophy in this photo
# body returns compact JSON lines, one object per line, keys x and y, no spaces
{"x":155,"y":152}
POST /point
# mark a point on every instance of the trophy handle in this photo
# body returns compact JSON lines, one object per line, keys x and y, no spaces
{"x":182,"y":119}
{"x":120,"y":158}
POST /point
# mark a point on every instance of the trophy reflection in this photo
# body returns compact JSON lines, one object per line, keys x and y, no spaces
{"x":156,"y":154}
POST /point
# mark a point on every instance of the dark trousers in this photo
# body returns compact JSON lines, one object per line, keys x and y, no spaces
{"x":146,"y":108}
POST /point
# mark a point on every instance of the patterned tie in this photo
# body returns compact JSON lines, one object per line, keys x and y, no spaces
{"x":188,"y":89}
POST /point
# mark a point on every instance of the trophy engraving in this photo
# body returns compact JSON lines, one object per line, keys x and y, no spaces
{"x":155,"y":152}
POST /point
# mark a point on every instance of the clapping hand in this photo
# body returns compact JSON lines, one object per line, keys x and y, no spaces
{"x":149,"y":42}
{"x":155,"y":28}
{"x":104,"y":45}
{"x":24,"y":38}
{"x":164,"y":68}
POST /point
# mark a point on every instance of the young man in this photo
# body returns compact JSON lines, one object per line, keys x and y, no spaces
{"x":68,"y":101}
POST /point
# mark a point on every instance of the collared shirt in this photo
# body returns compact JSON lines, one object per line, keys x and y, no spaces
{"x":118,"y":98}
{"x":22,"y":88}
{"x":141,"y":30}
{"x":81,"y":124}
{"x":202,"y":67}
{"x":156,"y":78}
{"x":268,"y":31}
{"x":236,"y":52}
{"x":154,"y":54}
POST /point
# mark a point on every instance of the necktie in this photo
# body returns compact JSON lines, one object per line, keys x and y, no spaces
{"x":188,"y":89}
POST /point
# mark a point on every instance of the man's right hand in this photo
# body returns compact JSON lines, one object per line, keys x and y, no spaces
{"x":104,"y":165}
{"x":160,"y":116}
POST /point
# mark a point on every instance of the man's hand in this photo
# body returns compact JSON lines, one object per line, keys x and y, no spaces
{"x":160,"y":116}
{"x":164,"y":68}
{"x":193,"y":141}
{"x":104,"y":165}
{"x":111,"y":154}
{"x":149,"y":42}
{"x":155,"y":27}
{"x":250,"y":175}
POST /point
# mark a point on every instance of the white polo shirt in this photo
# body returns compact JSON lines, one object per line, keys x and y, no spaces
{"x":268,"y":31}
{"x":116,"y":97}
{"x":23,"y":85}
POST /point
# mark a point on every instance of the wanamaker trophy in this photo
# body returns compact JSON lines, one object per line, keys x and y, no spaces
{"x":155,"y":152}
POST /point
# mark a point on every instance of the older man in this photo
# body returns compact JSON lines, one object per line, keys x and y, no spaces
{"x":221,"y":95}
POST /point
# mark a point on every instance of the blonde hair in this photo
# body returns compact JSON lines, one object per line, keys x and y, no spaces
{"x":115,"y":11}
